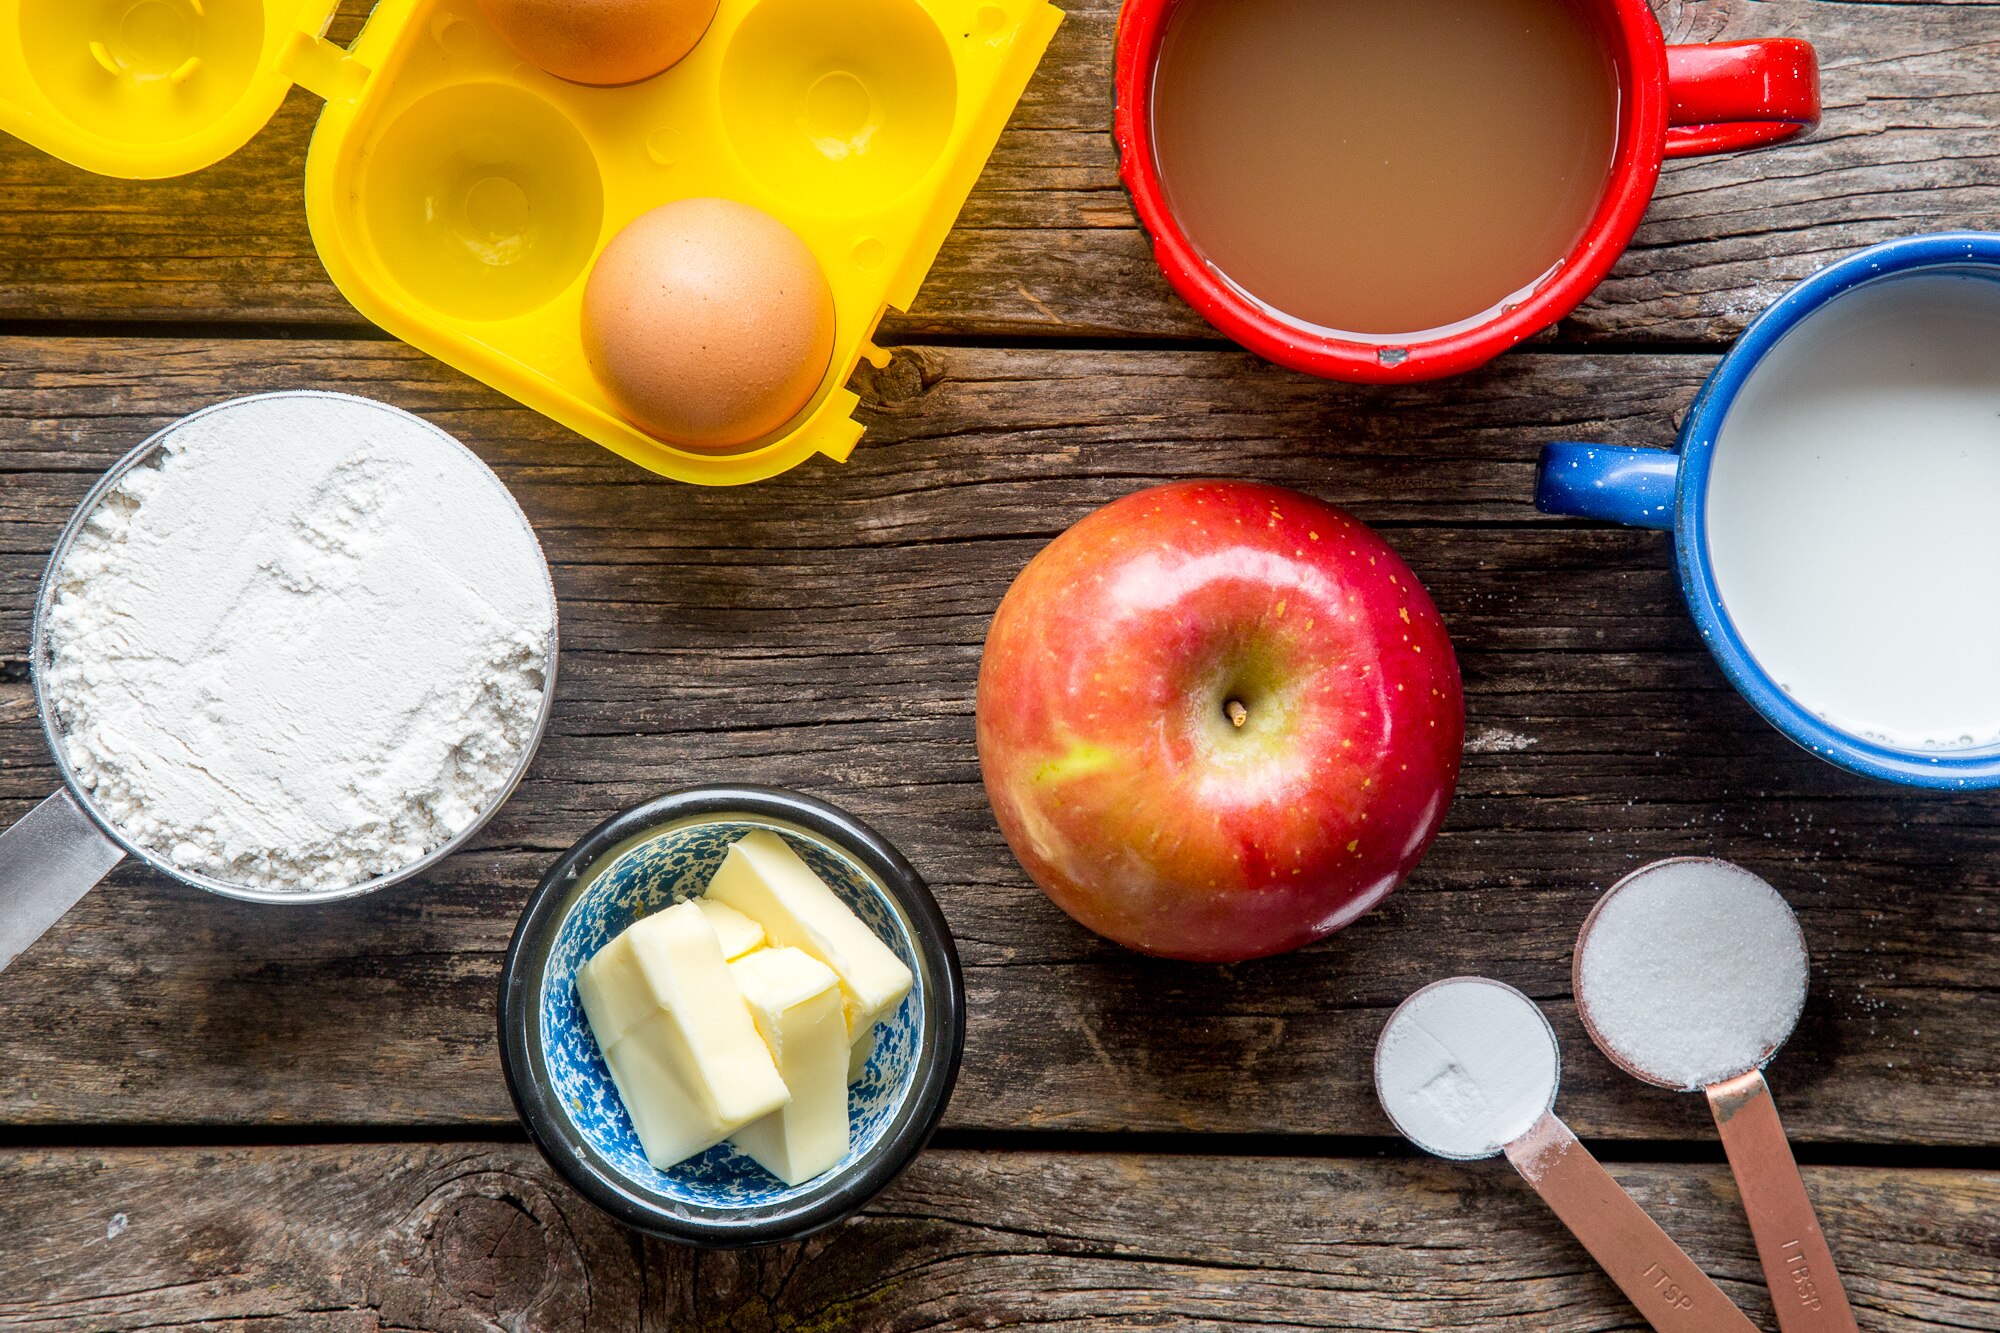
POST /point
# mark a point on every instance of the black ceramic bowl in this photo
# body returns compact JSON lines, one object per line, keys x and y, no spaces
{"x":650,"y":858}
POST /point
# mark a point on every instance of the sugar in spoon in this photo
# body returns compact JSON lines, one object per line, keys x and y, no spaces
{"x":1690,"y":974}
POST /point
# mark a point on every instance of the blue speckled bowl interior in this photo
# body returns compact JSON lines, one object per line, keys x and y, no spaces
{"x":646,"y":875}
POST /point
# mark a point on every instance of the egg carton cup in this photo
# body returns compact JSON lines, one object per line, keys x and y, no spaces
{"x":459,"y":196}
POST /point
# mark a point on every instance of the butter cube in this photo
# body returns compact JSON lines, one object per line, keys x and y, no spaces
{"x":737,"y":932}
{"x":765,"y":880}
{"x":674,"y":1120}
{"x":619,"y":989}
{"x":694,"y":1070}
{"x":857,"y":1059}
{"x":796,"y":1003}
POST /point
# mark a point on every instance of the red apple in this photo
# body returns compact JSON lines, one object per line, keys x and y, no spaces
{"x":1219,"y":720}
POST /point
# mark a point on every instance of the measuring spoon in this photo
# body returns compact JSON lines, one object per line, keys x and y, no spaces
{"x":1467,"y":1069}
{"x":1690,"y":974}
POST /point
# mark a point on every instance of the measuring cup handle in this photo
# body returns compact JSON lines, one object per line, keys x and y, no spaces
{"x":48,"y":860}
{"x":1613,"y":482}
{"x":1669,"y":1290}
{"x":1798,"y":1266}
{"x":1730,"y":95}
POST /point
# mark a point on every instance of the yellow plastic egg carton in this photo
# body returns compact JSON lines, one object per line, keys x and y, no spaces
{"x":458,"y":196}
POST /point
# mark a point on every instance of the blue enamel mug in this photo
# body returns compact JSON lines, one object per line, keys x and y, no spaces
{"x":1891,"y":469}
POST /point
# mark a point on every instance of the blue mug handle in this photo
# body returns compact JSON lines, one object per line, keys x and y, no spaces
{"x":1612,"y":482}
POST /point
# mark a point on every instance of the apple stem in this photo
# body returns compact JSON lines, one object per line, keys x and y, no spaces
{"x":1238,"y":714}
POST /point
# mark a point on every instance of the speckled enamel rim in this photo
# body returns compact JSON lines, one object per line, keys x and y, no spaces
{"x":940,"y":1044}
{"x":38,"y":654}
{"x":1966,"y":252}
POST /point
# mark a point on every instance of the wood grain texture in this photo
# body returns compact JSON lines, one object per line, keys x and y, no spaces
{"x":823,"y":632}
{"x":1047,"y":243}
{"x":477,"y":1237}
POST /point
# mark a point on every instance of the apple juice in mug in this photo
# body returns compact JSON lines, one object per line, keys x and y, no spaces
{"x":1380,"y":168}
{"x":1854,"y":512}
{"x":1385,"y":192}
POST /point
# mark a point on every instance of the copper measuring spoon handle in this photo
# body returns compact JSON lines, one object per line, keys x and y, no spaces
{"x":1798,"y":1266}
{"x":1669,"y":1290}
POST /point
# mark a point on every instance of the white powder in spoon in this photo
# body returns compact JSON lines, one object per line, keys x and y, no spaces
{"x":1466,"y":1066}
{"x":301,"y":646}
{"x":1691,"y":972}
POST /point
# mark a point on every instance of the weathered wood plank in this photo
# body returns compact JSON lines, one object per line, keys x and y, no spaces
{"x":448,"y":1238}
{"x":823,"y":632}
{"x":1047,"y":243}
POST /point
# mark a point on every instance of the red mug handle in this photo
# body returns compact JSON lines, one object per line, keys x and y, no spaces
{"x":1730,"y":95}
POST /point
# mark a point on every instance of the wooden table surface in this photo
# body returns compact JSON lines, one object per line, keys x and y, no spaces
{"x":222,"y":1117}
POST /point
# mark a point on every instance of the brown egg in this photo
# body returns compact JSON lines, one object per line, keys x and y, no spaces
{"x":708,"y":322}
{"x":601,"y":41}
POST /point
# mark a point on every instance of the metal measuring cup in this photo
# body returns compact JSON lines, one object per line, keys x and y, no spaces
{"x":59,"y":850}
{"x":1798,"y":1264}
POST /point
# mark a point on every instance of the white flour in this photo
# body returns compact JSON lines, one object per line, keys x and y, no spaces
{"x":1692,"y":972}
{"x":302,"y":646}
{"x":1466,"y":1066}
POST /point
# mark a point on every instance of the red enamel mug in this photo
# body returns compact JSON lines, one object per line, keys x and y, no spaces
{"x":1674,"y":101}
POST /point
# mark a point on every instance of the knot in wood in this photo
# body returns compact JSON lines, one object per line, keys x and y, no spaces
{"x":911,"y":373}
{"x":492,"y":1254}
